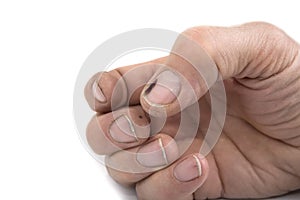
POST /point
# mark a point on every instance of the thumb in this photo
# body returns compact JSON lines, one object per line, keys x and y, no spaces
{"x":201,"y":55}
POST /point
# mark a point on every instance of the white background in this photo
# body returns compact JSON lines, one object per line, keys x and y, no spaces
{"x":42,"y":47}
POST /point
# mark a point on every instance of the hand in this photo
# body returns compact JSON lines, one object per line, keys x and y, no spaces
{"x":258,"y":153}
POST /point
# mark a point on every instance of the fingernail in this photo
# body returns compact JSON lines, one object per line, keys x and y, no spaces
{"x":122,"y":130}
{"x":152,"y":154}
{"x":98,"y":94}
{"x":164,"y":90}
{"x":188,"y":169}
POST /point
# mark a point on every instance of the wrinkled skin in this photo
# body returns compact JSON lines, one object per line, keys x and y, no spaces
{"x":258,"y":152}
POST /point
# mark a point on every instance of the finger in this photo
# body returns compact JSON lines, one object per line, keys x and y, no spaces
{"x":202,"y":54}
{"x":107,"y":91}
{"x":179,"y":181}
{"x":118,"y":130}
{"x":130,"y":166}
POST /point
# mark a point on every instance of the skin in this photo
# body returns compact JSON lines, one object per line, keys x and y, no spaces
{"x":258,"y":153}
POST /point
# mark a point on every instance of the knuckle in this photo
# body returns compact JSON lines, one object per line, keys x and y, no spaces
{"x":264,"y":27}
{"x":194,"y":32}
{"x":215,"y":42}
{"x":139,"y":191}
{"x":272,"y":42}
{"x":269,"y":32}
{"x":123,"y":178}
{"x":93,"y":136}
{"x":201,"y":35}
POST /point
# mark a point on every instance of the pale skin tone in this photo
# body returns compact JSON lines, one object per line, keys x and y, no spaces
{"x":258,"y":153}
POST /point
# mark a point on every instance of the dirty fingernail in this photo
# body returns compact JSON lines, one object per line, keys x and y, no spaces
{"x":164,"y":90}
